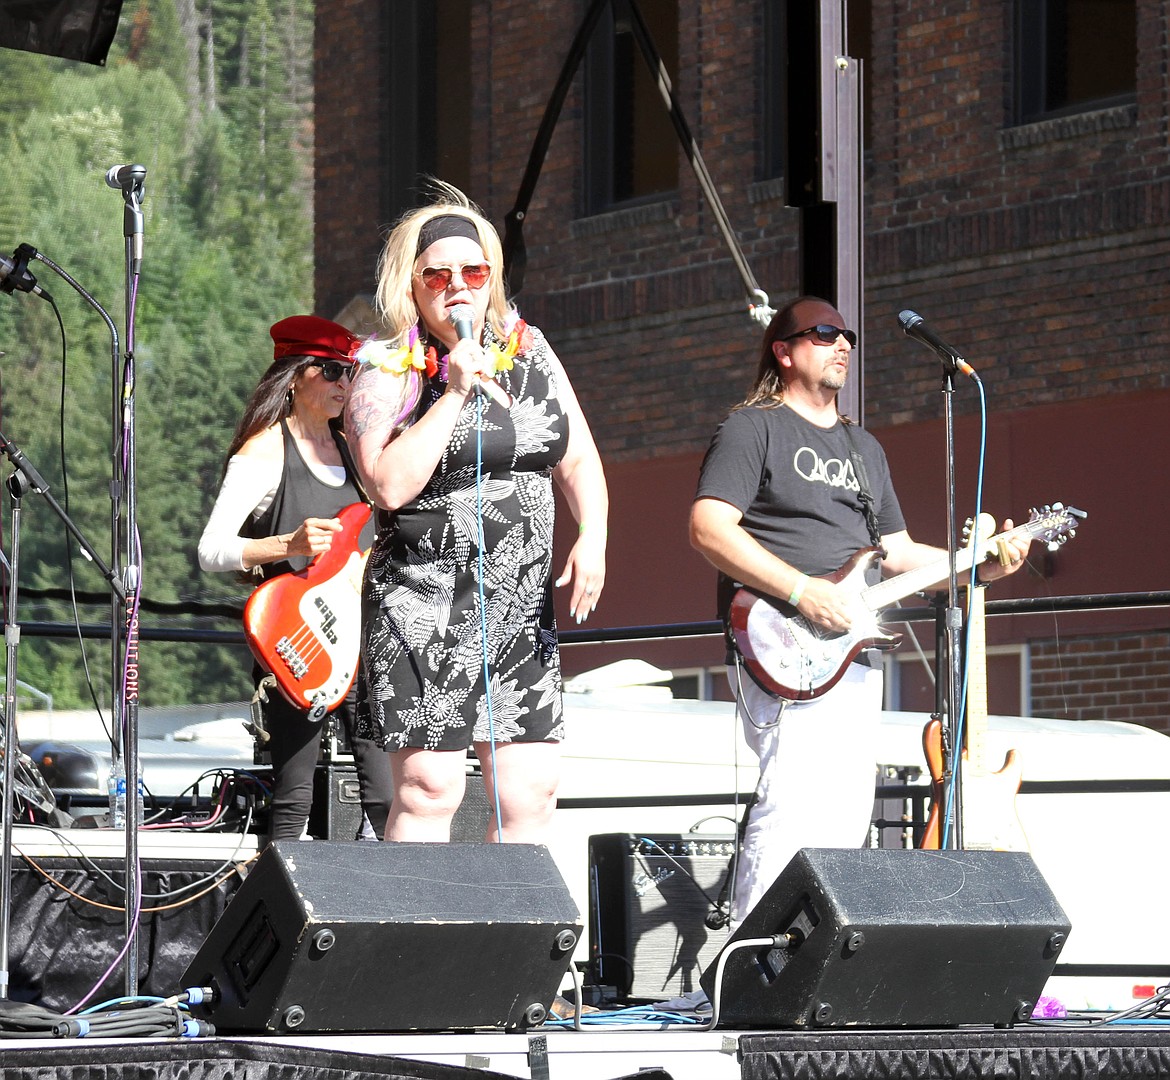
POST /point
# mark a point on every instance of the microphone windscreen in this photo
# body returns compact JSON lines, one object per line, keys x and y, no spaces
{"x":462,"y":317}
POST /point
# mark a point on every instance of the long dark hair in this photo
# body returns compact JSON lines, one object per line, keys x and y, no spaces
{"x":270,"y":401}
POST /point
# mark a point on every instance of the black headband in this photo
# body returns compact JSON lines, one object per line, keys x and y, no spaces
{"x":444,"y":225}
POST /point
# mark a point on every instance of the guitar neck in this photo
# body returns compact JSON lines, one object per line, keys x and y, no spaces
{"x":886,"y":593}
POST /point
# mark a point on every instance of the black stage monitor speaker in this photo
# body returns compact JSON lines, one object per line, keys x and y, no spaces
{"x":881,"y":937}
{"x":655,"y":919}
{"x":389,"y":937}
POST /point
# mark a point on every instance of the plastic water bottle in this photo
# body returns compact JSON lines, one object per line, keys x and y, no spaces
{"x":116,"y":786}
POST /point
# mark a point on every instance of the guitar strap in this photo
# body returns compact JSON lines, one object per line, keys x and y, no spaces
{"x":350,"y":466}
{"x":864,"y":495}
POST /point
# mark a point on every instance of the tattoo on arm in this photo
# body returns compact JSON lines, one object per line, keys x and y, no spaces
{"x":375,"y":401}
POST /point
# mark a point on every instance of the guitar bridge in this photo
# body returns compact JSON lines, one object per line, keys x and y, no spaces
{"x":292,"y":659}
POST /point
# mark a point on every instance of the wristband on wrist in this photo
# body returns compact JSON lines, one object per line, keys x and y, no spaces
{"x":582,"y":529}
{"x":798,"y":590}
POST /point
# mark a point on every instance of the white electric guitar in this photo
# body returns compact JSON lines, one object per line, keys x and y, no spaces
{"x":792,"y":658}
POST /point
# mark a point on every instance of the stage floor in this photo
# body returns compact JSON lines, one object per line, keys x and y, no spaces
{"x":1053,"y":1051}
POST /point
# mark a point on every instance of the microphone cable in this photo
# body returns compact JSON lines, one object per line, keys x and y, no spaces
{"x":483,"y":632}
{"x":961,"y":706}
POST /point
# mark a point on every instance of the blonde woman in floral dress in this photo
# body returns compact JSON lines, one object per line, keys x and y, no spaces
{"x":461,"y":418}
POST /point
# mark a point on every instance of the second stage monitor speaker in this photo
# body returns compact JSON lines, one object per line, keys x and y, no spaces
{"x":887,"y":937}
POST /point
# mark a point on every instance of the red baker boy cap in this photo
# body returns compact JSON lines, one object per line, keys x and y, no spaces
{"x":310,"y":335}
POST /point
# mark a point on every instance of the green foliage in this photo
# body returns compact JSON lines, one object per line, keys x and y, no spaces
{"x":214,"y":97}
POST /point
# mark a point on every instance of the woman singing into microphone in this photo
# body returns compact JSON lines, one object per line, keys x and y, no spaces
{"x":460,"y":421}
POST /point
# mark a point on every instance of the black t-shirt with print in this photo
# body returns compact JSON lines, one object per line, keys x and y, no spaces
{"x":796,"y":487}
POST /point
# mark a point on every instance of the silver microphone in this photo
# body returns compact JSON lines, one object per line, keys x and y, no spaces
{"x":462,"y":317}
{"x":120,"y":177}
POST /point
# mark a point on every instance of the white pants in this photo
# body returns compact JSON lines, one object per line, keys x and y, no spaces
{"x":816,"y":786}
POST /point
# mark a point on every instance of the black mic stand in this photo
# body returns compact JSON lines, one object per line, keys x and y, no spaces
{"x":124,"y":732}
{"x":953,"y":622}
{"x":132,"y":181}
{"x":23,"y":479}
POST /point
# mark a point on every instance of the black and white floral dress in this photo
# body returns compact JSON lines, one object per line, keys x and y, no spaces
{"x":433,"y":598}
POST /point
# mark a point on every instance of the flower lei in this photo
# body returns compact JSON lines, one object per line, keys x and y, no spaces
{"x":397,"y":361}
{"x":382,"y":355}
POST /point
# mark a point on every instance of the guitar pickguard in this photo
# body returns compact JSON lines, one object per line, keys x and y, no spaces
{"x":789,"y":656}
{"x":332,"y":613}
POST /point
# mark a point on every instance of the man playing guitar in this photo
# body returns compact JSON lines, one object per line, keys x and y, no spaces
{"x":779,"y":509}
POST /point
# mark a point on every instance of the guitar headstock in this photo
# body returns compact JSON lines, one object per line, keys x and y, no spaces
{"x":978,"y":532}
{"x":1055,"y":524}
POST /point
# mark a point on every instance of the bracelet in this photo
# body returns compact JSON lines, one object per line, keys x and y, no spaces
{"x":582,"y":528}
{"x":798,"y":590}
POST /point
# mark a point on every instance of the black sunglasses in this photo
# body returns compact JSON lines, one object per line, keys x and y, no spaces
{"x":826,"y":334}
{"x":331,"y":370}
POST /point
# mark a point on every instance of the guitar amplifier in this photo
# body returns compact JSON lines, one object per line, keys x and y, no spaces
{"x":649,"y":902}
{"x":337,"y":806}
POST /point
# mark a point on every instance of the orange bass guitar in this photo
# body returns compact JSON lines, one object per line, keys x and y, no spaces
{"x":305,"y":626}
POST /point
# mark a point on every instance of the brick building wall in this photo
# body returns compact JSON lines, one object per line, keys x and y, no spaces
{"x":1062,"y":227}
{"x":1080,"y":679}
{"x":350,"y":210}
{"x":1042,"y":251}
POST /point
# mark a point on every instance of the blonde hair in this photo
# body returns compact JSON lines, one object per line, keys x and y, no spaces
{"x":395,"y":296}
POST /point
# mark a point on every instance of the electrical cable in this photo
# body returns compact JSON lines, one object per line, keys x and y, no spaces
{"x":123,"y":1017}
{"x":487,"y":676}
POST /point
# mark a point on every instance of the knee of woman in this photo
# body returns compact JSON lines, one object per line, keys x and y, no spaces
{"x":535,"y":801}
{"x":428,"y":795}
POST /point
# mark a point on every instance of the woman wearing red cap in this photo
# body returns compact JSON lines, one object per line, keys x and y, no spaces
{"x":460,"y":422}
{"x":285,"y":479}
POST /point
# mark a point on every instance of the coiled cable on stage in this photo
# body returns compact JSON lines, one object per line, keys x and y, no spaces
{"x":122,"y":1018}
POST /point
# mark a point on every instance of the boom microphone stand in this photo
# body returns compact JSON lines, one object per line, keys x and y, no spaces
{"x":952,"y":361}
{"x":23,"y":479}
{"x":131,"y":181}
{"x":124,"y":663}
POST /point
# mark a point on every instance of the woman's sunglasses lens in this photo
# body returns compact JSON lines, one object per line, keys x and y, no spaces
{"x":437,"y":278}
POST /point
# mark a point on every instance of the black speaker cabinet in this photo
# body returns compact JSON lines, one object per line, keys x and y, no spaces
{"x":882,"y":937}
{"x":650,"y":898}
{"x":389,"y":937}
{"x":336,"y":813}
{"x":337,"y":806}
